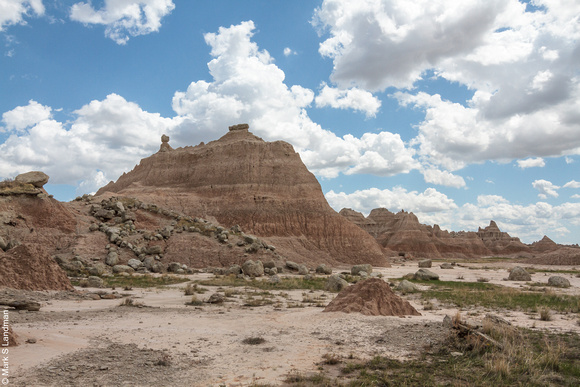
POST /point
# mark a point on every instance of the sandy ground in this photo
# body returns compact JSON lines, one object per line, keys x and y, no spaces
{"x":168,"y":343}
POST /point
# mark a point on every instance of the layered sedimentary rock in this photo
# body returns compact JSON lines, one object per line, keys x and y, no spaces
{"x":499,"y":242}
{"x":30,"y":267}
{"x":29,"y":215}
{"x":403,"y":234}
{"x":262,"y":186}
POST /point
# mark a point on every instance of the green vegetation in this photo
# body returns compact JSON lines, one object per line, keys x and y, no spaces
{"x":145,"y":281}
{"x":525,"y":358}
{"x":284,"y":284}
{"x":466,"y":294}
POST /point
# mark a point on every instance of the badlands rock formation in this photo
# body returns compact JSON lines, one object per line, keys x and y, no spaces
{"x":261,"y":186}
{"x":402,"y":234}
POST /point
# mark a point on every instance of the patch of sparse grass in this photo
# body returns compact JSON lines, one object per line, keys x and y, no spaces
{"x":524,"y":358}
{"x":145,"y":281}
{"x":192,"y":289}
{"x":289,"y":283}
{"x":261,"y":301}
{"x":465,"y":294}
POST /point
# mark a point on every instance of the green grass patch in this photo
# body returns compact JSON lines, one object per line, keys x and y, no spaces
{"x":526,"y":358}
{"x":145,"y":281}
{"x":291,"y":283}
{"x":465,"y":294}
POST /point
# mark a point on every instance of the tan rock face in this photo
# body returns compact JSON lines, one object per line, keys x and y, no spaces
{"x":262,"y":186}
{"x":36,"y":178}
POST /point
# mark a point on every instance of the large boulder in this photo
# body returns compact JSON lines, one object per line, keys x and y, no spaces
{"x":426,"y":275}
{"x":253,"y":268}
{"x":357,"y":269}
{"x":558,"y":282}
{"x":406,"y":287}
{"x":36,"y":178}
{"x":323,"y":269}
{"x":335,"y":283}
{"x":426,"y":263}
{"x":518,"y":273}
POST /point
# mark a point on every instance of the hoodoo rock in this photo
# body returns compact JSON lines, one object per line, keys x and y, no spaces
{"x":499,"y":242}
{"x":371,"y":297}
{"x":36,"y":178}
{"x":261,"y":186}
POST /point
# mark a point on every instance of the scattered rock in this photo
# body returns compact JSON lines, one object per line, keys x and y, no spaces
{"x":426,"y":275}
{"x":31,"y":306}
{"x":446,"y":265}
{"x":323,"y":269}
{"x":371,"y":297}
{"x":303,"y":270}
{"x":406,"y":287}
{"x":426,"y":263}
{"x":357,"y":269}
{"x":135,"y":263}
{"x":112,"y":258}
{"x":253,"y":268}
{"x":122,"y":269}
{"x":216,"y":298}
{"x":95,"y":282}
{"x":519,"y":274}
{"x":335,"y":283}
{"x":292,"y":265}
{"x":559,"y":282}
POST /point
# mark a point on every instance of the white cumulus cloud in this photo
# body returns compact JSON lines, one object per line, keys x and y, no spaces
{"x":531,"y":162}
{"x":248,"y":87}
{"x":124,"y":18}
{"x":13,"y":11}
{"x":546,"y":188}
{"x":22,"y":117}
{"x":353,"y":98}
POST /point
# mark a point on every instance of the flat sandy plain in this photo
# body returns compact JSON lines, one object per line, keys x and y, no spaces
{"x":165,"y":342}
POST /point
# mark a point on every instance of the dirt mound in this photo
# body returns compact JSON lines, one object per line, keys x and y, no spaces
{"x":372,"y":297}
{"x":261,"y":186}
{"x":29,"y":267}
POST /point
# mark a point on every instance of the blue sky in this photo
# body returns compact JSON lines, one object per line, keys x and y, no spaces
{"x":461,"y":112}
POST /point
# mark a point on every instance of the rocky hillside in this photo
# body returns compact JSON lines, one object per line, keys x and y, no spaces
{"x":262,"y":187}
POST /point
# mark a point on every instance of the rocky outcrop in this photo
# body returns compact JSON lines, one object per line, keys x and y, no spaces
{"x":261,"y":186}
{"x":371,"y":297}
{"x":500,"y":243}
{"x":29,"y":267}
{"x":36,"y":178}
{"x":403,"y":235}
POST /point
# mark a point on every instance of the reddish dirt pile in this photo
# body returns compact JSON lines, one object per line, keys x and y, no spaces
{"x":371,"y":297}
{"x":29,"y":267}
{"x":12,"y":338}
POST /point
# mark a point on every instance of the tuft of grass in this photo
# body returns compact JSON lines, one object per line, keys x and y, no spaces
{"x":194,"y":301}
{"x":254,"y":340}
{"x":545,"y":314}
